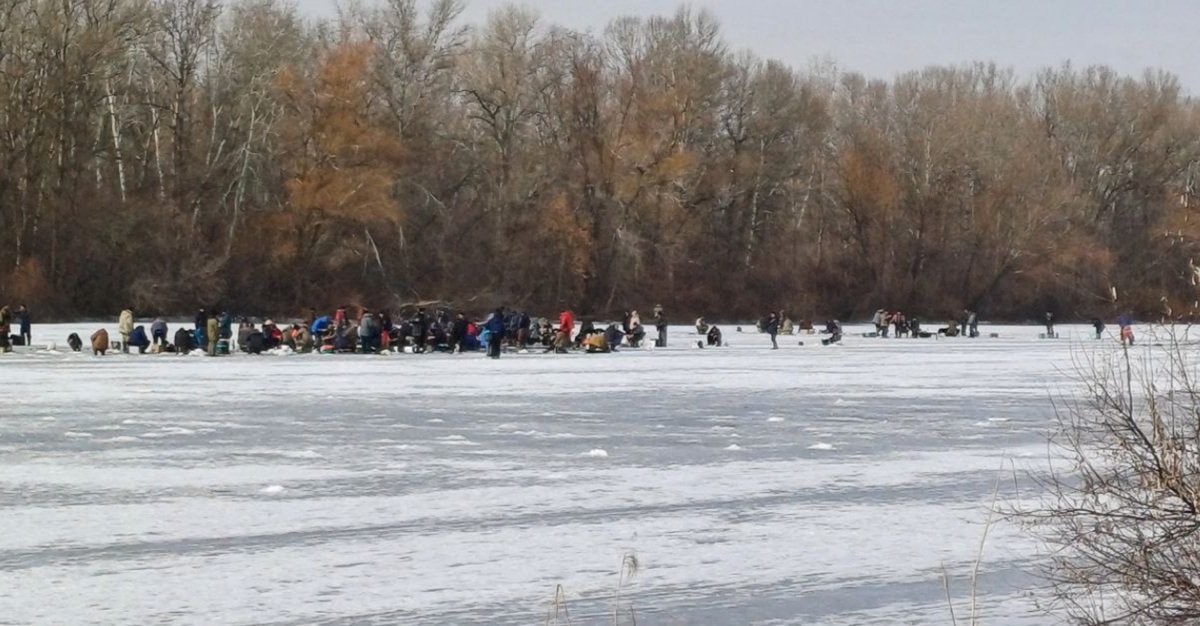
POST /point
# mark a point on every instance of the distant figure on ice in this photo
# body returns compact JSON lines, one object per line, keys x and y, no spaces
{"x":634,"y":331}
{"x":972,"y":324}
{"x":834,"y":329}
{"x":201,"y":323}
{"x":495,"y":327}
{"x":125,"y":327}
{"x":899,"y":324}
{"x":1126,"y":324}
{"x":100,"y":342}
{"x":880,"y":321}
{"x":212,"y":332}
{"x":1099,"y":326}
{"x":701,"y":326}
{"x":660,"y":324}
{"x":1049,"y":325}
{"x":158,"y":335}
{"x":74,"y":342}
{"x":5,"y":323}
{"x":139,"y":340}
{"x":771,"y":327}
{"x":420,"y":329}
{"x":23,"y":326}
{"x":714,"y":336}
{"x":185,"y":341}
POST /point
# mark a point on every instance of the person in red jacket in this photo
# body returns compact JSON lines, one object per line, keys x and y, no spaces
{"x":566,"y":326}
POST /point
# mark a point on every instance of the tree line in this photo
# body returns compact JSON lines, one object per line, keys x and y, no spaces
{"x":166,"y":154}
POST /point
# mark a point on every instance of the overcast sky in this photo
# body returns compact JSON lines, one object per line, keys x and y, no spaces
{"x":882,"y":38}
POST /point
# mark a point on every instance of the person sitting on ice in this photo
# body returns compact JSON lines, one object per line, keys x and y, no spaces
{"x":74,"y":342}
{"x":714,"y":336}
{"x":834,"y":329}
{"x":253,"y":341}
{"x":613,"y":335}
{"x":701,"y":326}
{"x":320,"y":326}
{"x":787,"y":327}
{"x":272,"y":335}
{"x":185,"y":341}
{"x":245,"y":327}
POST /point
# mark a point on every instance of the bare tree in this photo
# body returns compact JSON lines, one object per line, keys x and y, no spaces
{"x":1120,"y":519}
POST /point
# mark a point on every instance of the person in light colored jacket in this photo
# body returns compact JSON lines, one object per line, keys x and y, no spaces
{"x":212,"y":333}
{"x":125,"y":326}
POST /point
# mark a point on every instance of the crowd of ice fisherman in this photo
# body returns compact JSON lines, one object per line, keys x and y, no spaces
{"x":361,"y":330}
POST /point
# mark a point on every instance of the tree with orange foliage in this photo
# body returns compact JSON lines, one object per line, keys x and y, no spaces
{"x":340,"y":167}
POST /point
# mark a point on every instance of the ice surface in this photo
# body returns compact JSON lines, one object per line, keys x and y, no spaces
{"x":807,"y":485}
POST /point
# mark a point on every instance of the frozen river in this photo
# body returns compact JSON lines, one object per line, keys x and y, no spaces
{"x":808,"y":485}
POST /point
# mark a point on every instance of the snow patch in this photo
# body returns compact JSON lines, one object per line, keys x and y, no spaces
{"x":120,"y":439}
{"x":733,"y":447}
{"x":821,"y":446}
{"x":774,"y":420}
{"x":74,"y":435}
{"x":597,"y":453}
{"x":272,"y":490}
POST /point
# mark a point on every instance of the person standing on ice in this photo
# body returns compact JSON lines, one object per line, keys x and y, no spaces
{"x":212,"y":331}
{"x":23,"y":325}
{"x":5,"y":321}
{"x":660,"y":324}
{"x":420,"y":330}
{"x":1126,"y":324}
{"x":771,"y":327}
{"x":566,"y":326}
{"x":1049,"y":325}
{"x":972,"y":324}
{"x":495,"y":326}
{"x":226,"y":329}
{"x":125,"y":327}
{"x":1099,"y":326}
{"x":201,"y":323}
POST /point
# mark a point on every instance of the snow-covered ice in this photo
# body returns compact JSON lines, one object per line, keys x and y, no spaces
{"x":806,"y":485}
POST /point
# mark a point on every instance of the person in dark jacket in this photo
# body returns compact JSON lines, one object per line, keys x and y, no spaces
{"x":714,"y":336}
{"x":660,"y":324}
{"x":255,"y":342}
{"x":23,"y":326}
{"x":201,"y":328}
{"x":75,"y":342}
{"x":226,"y":325}
{"x":420,"y":330}
{"x":1099,"y":326}
{"x":771,"y":327}
{"x":185,"y":341}
{"x":614,"y":336}
{"x":139,"y":340}
{"x":5,"y":323}
{"x":458,"y":333}
{"x":495,"y":328}
{"x":523,"y":325}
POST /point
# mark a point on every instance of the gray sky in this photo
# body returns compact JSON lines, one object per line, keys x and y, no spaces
{"x":882,"y":38}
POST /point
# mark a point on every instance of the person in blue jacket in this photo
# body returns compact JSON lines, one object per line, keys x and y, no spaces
{"x":495,"y":327}
{"x":139,"y":340}
{"x":320,"y":326}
